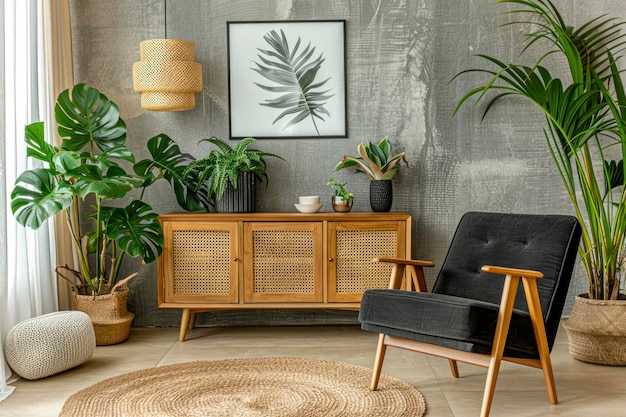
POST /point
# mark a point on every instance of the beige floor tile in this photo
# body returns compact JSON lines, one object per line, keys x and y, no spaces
{"x":584,"y":389}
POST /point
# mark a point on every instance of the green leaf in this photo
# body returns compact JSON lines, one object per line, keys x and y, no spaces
{"x":88,"y":118}
{"x":136,"y":230}
{"x":37,"y":196}
{"x":38,"y":148}
{"x":112,"y":184}
{"x":613,"y":175}
{"x":169,"y":162}
{"x":66,"y":161}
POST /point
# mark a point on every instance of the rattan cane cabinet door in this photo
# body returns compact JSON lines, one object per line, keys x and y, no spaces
{"x":351,"y":247}
{"x":283,"y":262}
{"x":202,"y":266}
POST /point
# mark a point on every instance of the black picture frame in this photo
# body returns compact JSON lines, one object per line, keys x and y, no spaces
{"x":287,"y":79}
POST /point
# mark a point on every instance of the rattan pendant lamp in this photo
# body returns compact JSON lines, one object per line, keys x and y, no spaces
{"x":167,"y":76}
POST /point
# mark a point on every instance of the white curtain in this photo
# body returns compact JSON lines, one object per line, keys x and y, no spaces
{"x":35,"y":49}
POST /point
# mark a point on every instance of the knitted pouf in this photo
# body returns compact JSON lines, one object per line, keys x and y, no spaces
{"x":49,"y":344}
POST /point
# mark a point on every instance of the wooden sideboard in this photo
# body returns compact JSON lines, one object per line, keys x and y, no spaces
{"x":225,"y":261}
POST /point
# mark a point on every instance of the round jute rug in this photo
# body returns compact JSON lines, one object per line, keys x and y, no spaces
{"x":247,"y":387}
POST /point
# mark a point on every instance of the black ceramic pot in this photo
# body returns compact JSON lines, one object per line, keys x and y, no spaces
{"x":381,"y":195}
{"x":242,"y":199}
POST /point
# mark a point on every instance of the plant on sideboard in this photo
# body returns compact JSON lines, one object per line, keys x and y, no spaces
{"x":224,"y":167}
{"x":376,"y":162}
{"x":585,"y":131}
{"x":202,"y":184}
{"x":342,"y":199}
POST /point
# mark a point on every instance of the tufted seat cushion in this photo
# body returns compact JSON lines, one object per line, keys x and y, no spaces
{"x":445,"y":320}
{"x":49,"y":344}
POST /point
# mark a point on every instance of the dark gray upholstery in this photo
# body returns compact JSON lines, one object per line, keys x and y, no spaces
{"x":462,"y":309}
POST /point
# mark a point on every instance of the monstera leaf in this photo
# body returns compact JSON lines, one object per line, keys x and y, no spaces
{"x":37,"y":147}
{"x":136,"y":230}
{"x":88,"y":117}
{"x":38,"y":196}
{"x":169,"y":162}
{"x":294,"y":77}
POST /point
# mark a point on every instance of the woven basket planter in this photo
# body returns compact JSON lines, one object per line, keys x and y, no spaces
{"x":596,"y":330}
{"x":109,"y":313}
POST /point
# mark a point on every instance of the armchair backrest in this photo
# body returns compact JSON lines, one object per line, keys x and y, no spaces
{"x":545,"y":243}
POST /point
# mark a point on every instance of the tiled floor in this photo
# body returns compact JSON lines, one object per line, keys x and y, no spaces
{"x":584,"y":389}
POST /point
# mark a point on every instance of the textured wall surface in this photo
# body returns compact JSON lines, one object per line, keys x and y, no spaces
{"x":401,"y":58}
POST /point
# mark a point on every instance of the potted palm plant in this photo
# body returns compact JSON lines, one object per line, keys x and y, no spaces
{"x":374,"y":160}
{"x":586,"y":136}
{"x":87,"y":167}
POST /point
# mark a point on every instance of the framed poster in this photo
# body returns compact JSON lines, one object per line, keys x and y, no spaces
{"x":287,"y":79}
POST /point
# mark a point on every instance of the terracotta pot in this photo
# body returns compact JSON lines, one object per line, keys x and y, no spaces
{"x":596,"y":330}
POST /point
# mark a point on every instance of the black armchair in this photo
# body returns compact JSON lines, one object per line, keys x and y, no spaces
{"x":473,"y":315}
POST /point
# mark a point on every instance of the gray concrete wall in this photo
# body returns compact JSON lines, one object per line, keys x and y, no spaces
{"x":401,"y":56}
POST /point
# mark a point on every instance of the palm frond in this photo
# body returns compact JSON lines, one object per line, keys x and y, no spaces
{"x":294,"y":76}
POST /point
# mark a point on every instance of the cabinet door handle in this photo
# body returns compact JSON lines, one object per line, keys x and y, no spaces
{"x":235,"y":259}
{"x":330,"y":259}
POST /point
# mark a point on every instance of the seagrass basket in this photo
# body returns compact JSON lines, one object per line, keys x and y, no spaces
{"x":596,"y":330}
{"x":108,"y":312}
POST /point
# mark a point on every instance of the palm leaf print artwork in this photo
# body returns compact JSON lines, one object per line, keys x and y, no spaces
{"x":294,"y":77}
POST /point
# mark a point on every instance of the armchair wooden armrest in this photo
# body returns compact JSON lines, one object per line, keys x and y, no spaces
{"x":414,"y":269}
{"x":528,"y":273}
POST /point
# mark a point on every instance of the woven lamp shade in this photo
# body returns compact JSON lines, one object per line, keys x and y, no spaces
{"x":167,"y":77}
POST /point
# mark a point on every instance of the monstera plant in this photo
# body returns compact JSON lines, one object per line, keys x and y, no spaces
{"x":88,"y":166}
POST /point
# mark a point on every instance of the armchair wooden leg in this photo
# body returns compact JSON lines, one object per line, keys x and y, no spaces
{"x":534,"y":307}
{"x":454,"y":368}
{"x":378,"y":363}
{"x":502,"y":328}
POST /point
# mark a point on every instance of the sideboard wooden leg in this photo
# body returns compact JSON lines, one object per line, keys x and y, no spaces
{"x":192,"y":320}
{"x":184,"y":324}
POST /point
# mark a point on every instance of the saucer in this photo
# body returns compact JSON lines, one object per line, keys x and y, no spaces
{"x":308,"y":208}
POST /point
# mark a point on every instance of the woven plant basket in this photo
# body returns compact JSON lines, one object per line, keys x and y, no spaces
{"x":596,"y":330}
{"x":109,"y":314}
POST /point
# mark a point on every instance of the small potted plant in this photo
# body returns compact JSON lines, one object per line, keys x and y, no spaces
{"x":342,"y":199}
{"x":374,"y":160}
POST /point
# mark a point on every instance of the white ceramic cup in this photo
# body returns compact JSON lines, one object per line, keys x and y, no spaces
{"x":309,"y":199}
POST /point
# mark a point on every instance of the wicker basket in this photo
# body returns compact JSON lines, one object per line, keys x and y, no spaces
{"x":596,"y":331}
{"x":109,"y":314}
